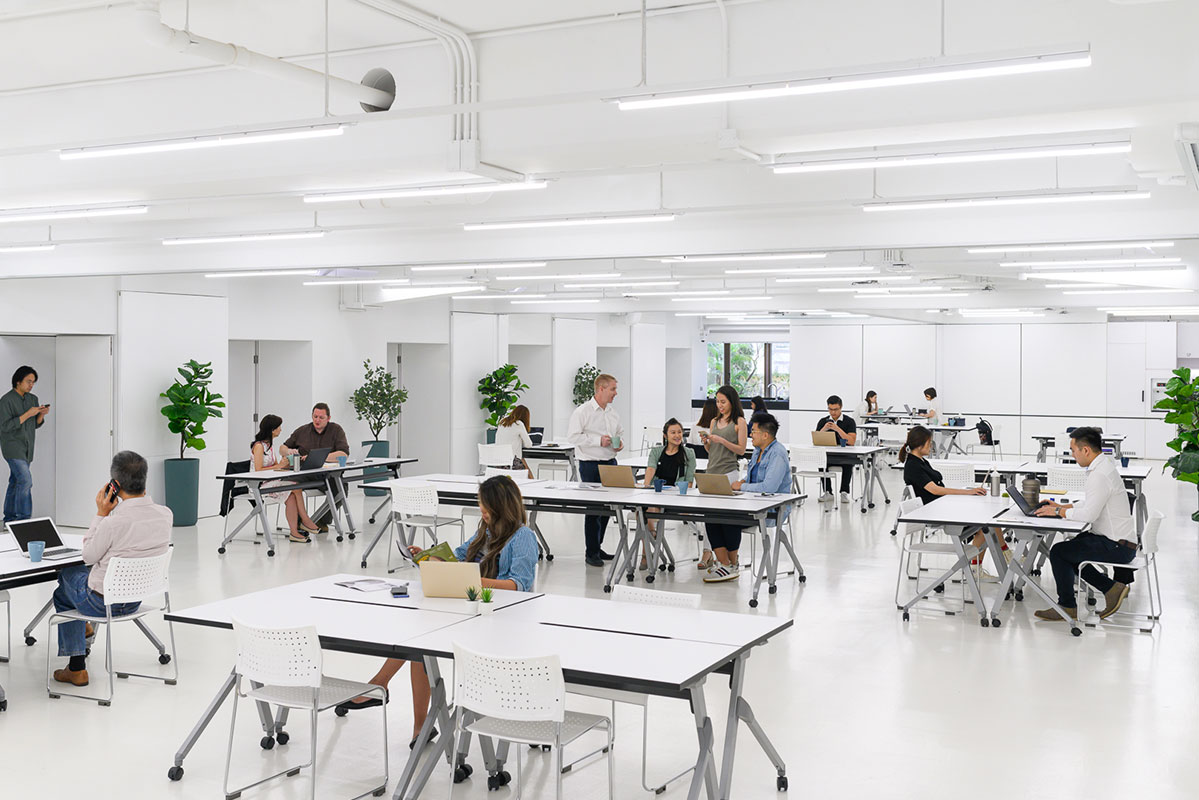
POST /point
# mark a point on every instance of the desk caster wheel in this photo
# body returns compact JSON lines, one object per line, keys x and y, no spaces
{"x":351,"y":535}
{"x":30,"y":641}
{"x":1076,"y":631}
{"x":371,"y":520}
{"x":630,"y":577}
{"x":340,"y":538}
{"x":803,"y":579}
{"x":649,"y":578}
{"x":894,"y":532}
{"x":772,"y":589}
{"x":995,"y":622}
{"x":607,"y":589}
{"x":341,"y":711}
{"x":939,"y":588}
{"x":661,"y":568}
{"x":781,"y":783}
{"x":1091,"y":601}
{"x":220,"y":551}
{"x":753,"y":603}
{"x":462,"y":772}
{"x":906,"y":616}
{"x":175,"y":773}
{"x":887,"y":501}
{"x":1020,"y":597}
{"x":549,"y":557}
{"x":863,"y":511}
{"x":670,"y":568}
{"x":282,"y":737}
{"x":986,"y":623}
{"x":267,"y":743}
{"x":164,"y":658}
{"x":270,"y":553}
{"x":871,"y":505}
{"x":364,"y":565}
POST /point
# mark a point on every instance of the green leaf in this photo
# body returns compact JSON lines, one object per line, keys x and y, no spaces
{"x":1184,"y":373}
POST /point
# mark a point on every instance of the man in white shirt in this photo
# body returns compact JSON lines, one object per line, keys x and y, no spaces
{"x":1111,"y":538}
{"x":596,"y":433}
{"x":127,"y":524}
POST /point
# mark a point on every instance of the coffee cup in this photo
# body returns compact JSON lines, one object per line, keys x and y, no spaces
{"x":682,"y":486}
{"x":1124,"y":461}
{"x":35,"y":551}
{"x":615,"y":442}
{"x":658,"y":484}
{"x":341,"y":461}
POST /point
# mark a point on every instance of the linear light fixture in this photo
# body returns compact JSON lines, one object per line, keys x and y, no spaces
{"x":1017,"y":314}
{"x":937,"y":70}
{"x":726,"y":299}
{"x":737,"y":258}
{"x":26,"y":248}
{"x":841,"y":279}
{"x":1153,"y":311}
{"x":545,"y":302}
{"x":567,"y":277}
{"x":1128,"y":291}
{"x":690,"y":292}
{"x":357,"y":282}
{"x":799,"y":270}
{"x":1094,"y":263}
{"x":907,"y":296}
{"x":41,"y":214}
{"x":496,"y":296}
{"x":951,"y":157}
{"x":263,"y":273}
{"x":1069,"y":248}
{"x":461,"y":267}
{"x":1008,"y":200}
{"x":417,"y":292}
{"x":1099,"y":274}
{"x":245,"y":237}
{"x":645,"y":284}
{"x":884,"y":289}
{"x":204,"y":142}
{"x":565,"y":222}
{"x":1081,"y":285}
{"x":401,"y":192}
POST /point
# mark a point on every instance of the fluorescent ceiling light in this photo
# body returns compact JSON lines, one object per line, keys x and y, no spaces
{"x":1069,"y":248}
{"x":564,"y":222}
{"x":565,"y":277}
{"x":497,"y":296}
{"x":886,"y":289}
{"x":423,"y":191}
{"x":544,"y":302}
{"x":1081,"y":285}
{"x":800,"y":271}
{"x":907,"y":296}
{"x":961,"y":157}
{"x":619,"y":285}
{"x":1101,"y":275}
{"x":938,"y":71}
{"x":840,"y":279}
{"x":733,"y":258}
{"x":1009,"y":200}
{"x":358,"y":282}
{"x":263,"y":273}
{"x":203,"y":142}
{"x":693,"y":292}
{"x":41,"y":214}
{"x":1129,"y":291}
{"x":1092,"y":263}
{"x":417,"y":292}
{"x":25,"y":248}
{"x":729,"y":298}
{"x":245,"y":237}
{"x":498,"y":265}
{"x":1165,"y":311}
{"x":1001,"y":315}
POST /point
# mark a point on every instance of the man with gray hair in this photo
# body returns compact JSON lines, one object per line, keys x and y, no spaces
{"x":127,"y":524}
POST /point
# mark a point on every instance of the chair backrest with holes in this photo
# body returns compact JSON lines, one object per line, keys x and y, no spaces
{"x":131,"y":580}
{"x":522,"y":689}
{"x":808,"y":459}
{"x":1149,"y":535}
{"x":1068,"y":478}
{"x":413,"y":499}
{"x":495,"y":455}
{"x":278,"y":656}
{"x":654,"y":597}
{"x":907,"y":507}
{"x":892,"y":434}
{"x":491,"y":472}
{"x":956,"y":474}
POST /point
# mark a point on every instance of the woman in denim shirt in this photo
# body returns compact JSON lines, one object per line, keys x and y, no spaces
{"x":505,"y":548}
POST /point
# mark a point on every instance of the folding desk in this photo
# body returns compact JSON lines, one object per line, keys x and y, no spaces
{"x":866,"y":455}
{"x":1113,"y":440}
{"x":560,"y":451}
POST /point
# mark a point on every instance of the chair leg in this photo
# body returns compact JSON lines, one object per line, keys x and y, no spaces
{"x":232,"y":728}
{"x":314,"y":713}
{"x":558,"y":771}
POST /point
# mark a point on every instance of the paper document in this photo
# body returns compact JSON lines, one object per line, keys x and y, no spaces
{"x":371,"y":584}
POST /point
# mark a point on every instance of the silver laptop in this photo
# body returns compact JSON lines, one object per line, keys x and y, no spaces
{"x":41,"y":529}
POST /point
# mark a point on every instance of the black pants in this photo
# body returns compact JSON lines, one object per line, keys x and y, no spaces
{"x":593,"y":526}
{"x":846,"y":479}
{"x":1065,"y":557}
{"x":726,"y":536}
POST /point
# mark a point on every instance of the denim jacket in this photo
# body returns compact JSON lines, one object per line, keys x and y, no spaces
{"x":769,"y":470}
{"x":518,"y":559}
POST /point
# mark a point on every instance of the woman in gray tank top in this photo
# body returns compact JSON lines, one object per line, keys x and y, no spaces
{"x":725,"y":443}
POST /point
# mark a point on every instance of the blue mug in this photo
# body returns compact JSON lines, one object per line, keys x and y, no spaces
{"x":658,"y":484}
{"x":841,"y":442}
{"x":1124,"y":461}
{"x":682,"y":486}
{"x":35,"y":551}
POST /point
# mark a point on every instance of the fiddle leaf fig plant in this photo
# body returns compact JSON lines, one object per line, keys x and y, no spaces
{"x":1181,"y":405}
{"x":501,"y":389}
{"x":190,"y":404}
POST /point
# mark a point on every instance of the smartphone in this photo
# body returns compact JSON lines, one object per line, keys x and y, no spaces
{"x":399,"y":591}
{"x":112,"y":489}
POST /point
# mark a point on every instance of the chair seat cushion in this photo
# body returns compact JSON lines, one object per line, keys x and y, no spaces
{"x":435,"y":521}
{"x":79,"y":615}
{"x":574,"y":725}
{"x":333,"y":691}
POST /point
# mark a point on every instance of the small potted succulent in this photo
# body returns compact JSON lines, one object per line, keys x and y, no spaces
{"x":486,"y":600}
{"x":472,"y":599}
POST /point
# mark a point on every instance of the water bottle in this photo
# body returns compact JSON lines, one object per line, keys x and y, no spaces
{"x":994,"y":478}
{"x":1030,"y":487}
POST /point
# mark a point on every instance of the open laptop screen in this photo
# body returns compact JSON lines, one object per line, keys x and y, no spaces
{"x":41,"y":529}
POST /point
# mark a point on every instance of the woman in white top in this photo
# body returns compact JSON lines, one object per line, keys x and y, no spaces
{"x":704,"y":426}
{"x":868,"y":406}
{"x":262,"y":453}
{"x":514,"y":432}
{"x":933,"y":410}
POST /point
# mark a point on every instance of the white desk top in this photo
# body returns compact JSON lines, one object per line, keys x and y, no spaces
{"x":15,"y":564}
{"x":642,"y":462}
{"x":553,"y":447}
{"x":849,"y":449}
{"x":327,"y":588}
{"x":968,"y":510}
{"x":1107,"y":437}
{"x":331,"y":466}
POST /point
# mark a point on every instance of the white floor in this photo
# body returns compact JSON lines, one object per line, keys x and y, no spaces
{"x":859,"y":703}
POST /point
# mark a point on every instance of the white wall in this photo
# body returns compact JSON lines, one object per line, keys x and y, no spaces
{"x":647,"y":379}
{"x":37,"y":352}
{"x":825,"y":360}
{"x":616,"y":361}
{"x":678,"y":385}
{"x":478,"y":345}
{"x":240,"y":402}
{"x":84,"y":431}
{"x":535,"y":366}
{"x":285,"y":386}
{"x":425,"y":419}
{"x":574,"y":342}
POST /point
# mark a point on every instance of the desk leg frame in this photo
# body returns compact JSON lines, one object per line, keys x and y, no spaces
{"x":622,"y":561}
{"x":768,"y":569}
{"x":345,"y":504}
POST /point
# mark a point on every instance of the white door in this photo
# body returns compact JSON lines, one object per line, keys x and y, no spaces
{"x":83,"y":426}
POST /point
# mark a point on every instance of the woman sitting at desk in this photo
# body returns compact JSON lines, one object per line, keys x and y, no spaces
{"x":867,"y":407}
{"x":672,"y":461}
{"x":513,"y":431}
{"x":505,"y":548}
{"x":263,"y":454}
{"x":928,"y":484}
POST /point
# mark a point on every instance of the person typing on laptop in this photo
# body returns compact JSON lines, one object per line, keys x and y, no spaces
{"x":322,"y":432}
{"x":846,"y":431}
{"x":505,"y":548}
{"x":127,"y":524}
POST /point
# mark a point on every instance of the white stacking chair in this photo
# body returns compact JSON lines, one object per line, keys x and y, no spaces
{"x":522,"y":701}
{"x":807,"y":463}
{"x":915,"y":542}
{"x":7,"y":601}
{"x":414,"y":506}
{"x":126,"y":580}
{"x":1061,"y":448}
{"x":957,"y":475}
{"x":1070,"y":479}
{"x":283,"y":668}
{"x":626,"y":593}
{"x":495,"y":455}
{"x":996,"y":444}
{"x":1146,"y":564}
{"x":650,"y":436}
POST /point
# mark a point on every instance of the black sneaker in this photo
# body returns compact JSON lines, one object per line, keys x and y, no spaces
{"x":594,"y":561}
{"x":606,"y":556}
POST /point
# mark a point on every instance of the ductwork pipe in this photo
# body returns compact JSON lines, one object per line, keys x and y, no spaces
{"x":149,"y":20}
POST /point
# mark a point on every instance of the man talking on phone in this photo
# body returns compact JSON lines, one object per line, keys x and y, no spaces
{"x":20,"y":417}
{"x":127,"y":524}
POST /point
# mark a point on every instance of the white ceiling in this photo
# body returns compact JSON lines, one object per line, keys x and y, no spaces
{"x":77,"y":73}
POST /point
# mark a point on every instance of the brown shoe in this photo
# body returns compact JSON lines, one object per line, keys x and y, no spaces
{"x":75,"y":677}
{"x":1052,"y":615}
{"x":1113,"y":598}
{"x":89,"y":630}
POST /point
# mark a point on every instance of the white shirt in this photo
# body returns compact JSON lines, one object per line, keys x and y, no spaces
{"x":862,"y":411}
{"x":588,"y":423}
{"x":1106,"y":503}
{"x":695,"y":436}
{"x":136,"y":528}
{"x":515,"y":435}
{"x":934,"y":414}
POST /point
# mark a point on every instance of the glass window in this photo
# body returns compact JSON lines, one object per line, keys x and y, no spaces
{"x":715,"y":366}
{"x":780,"y":370}
{"x":747,"y":367}
{"x":752,"y":368}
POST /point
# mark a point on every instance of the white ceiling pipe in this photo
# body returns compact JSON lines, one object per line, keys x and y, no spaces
{"x":146,"y":12}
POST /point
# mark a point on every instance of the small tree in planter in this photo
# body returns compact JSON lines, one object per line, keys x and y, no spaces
{"x":378,"y":402}
{"x":585,"y":383}
{"x":501,"y":389}
{"x":1181,"y":405}
{"x":189,"y":404}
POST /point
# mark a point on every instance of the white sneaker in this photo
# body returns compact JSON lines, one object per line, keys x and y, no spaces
{"x":827,"y":497}
{"x":723,"y":572}
{"x":845,"y":497}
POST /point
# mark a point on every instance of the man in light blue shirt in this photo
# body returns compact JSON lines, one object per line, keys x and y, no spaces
{"x":770,"y":466}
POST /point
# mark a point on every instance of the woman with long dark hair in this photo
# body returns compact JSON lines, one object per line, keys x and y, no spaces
{"x":726,"y":443}
{"x":671,"y":461}
{"x":262,"y":455}
{"x":505,"y":548}
{"x":867,"y":407}
{"x":513,"y":431}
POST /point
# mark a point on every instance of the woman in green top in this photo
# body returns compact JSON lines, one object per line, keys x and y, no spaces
{"x":726,"y":443}
{"x":672,"y":461}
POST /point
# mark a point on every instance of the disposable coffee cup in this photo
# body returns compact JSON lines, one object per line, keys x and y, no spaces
{"x":35,"y":551}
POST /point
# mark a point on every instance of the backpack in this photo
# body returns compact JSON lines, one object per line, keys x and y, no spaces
{"x":985,"y":433}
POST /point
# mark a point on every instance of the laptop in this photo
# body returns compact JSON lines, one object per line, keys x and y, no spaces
{"x":536,"y":435}
{"x":449,"y":578}
{"x":315,"y":458}
{"x":1021,"y":503}
{"x":888,"y":410}
{"x":824,"y":438}
{"x":907,"y":409}
{"x":617,"y":476}
{"x":714,"y":484}
{"x":41,"y":529}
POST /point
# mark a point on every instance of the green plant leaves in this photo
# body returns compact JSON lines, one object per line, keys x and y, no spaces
{"x":584,"y":387}
{"x":190,"y":404}
{"x":378,"y":401}
{"x":501,"y":389}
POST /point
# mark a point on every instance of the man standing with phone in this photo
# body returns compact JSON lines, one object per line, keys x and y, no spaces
{"x":20,"y":417}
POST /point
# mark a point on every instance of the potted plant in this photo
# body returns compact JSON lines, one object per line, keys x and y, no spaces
{"x":501,"y":389}
{"x":486,"y":596}
{"x":1181,"y":405}
{"x":189,"y":404}
{"x":472,"y":599}
{"x":378,"y":402}
{"x":585,"y":383}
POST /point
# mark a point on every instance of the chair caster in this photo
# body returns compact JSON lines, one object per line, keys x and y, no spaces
{"x":772,"y":589}
{"x":1020,"y":597}
{"x":351,"y":535}
{"x":894,"y":532}
{"x":1092,"y":601}
{"x":339,"y":538}
{"x":267,"y":743}
{"x":175,"y":773}
{"x":607,"y":589}
{"x":30,"y":641}
{"x":220,"y":551}
{"x":282,"y":737}
{"x":781,"y":783}
{"x":939,"y":588}
{"x":164,"y":658}
{"x":995,"y":622}
{"x":462,"y":772}
{"x":753,"y":603}
{"x":496,"y":781}
{"x":906,"y":616}
{"x":1036,"y":572}
{"x":649,"y":578}
{"x":1076,"y":631}
{"x":802,"y":578}
{"x":341,"y":711}
{"x":986,"y":623}
{"x":549,"y":557}
{"x":270,"y":553}
{"x":364,"y":565}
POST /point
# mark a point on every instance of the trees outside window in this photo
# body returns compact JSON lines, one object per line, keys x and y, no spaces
{"x":750,"y":368}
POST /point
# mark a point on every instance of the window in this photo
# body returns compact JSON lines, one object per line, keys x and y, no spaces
{"x":752,"y":368}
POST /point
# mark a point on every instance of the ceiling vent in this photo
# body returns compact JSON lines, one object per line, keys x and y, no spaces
{"x":1188,"y":150}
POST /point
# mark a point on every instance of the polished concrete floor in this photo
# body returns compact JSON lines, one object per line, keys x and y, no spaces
{"x":859,"y":703}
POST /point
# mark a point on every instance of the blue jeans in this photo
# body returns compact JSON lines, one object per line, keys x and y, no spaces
{"x":73,"y":593}
{"x":18,"y":500}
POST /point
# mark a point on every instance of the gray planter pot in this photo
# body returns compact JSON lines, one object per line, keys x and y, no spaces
{"x":379,"y":449}
{"x":491,"y":435}
{"x":182,"y":478}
